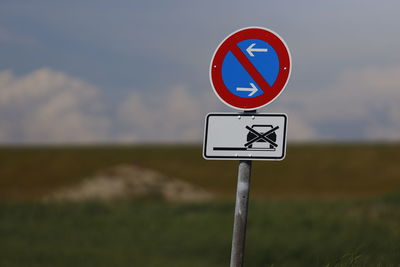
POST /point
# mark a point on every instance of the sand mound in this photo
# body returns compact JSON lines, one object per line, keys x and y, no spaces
{"x":130,"y":182}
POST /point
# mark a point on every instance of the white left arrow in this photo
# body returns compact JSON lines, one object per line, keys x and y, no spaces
{"x":250,"y":49}
{"x":252,"y":90}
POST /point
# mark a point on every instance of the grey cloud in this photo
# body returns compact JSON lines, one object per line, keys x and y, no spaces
{"x":176,"y":116}
{"x":361,"y":105}
{"x":47,"y":106}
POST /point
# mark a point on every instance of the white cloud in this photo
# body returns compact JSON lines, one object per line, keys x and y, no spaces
{"x":362,"y":104}
{"x":176,"y":116}
{"x":299,"y":129}
{"x":47,"y":106}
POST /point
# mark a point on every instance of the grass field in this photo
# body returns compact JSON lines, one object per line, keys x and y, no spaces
{"x":308,"y":171}
{"x":280,"y":233}
{"x":324,"y":205}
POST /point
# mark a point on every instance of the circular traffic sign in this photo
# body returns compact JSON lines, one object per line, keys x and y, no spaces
{"x":250,"y":68}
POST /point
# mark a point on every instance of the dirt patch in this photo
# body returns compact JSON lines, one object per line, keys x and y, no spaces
{"x":130,"y":182}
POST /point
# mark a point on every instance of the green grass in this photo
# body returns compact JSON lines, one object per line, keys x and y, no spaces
{"x":321,"y":206}
{"x":280,"y":233}
{"x":330,"y":170}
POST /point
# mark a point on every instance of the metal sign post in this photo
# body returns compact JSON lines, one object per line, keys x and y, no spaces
{"x":241,"y":207}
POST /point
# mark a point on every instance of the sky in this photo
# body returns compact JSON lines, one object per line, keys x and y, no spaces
{"x":138,"y":71}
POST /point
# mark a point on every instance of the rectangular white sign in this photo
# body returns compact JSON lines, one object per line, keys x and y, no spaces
{"x":246,"y":136}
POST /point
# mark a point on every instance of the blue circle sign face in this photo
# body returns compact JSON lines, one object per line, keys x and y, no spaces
{"x":250,"y":68}
{"x":263,"y":57}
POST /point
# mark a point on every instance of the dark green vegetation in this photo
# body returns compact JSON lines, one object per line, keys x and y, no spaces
{"x":308,"y":170}
{"x":324,"y":205}
{"x":280,"y":233}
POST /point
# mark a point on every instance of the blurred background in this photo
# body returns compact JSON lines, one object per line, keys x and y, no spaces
{"x":102,"y":108}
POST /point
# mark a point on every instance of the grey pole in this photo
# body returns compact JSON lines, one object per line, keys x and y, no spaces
{"x":241,"y":206}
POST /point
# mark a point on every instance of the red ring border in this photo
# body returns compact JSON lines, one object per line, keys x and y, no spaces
{"x":224,"y":47}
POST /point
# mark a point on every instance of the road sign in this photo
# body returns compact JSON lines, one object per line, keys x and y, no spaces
{"x":245,"y":136}
{"x":250,"y":68}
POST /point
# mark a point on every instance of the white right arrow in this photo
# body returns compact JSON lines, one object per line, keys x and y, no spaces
{"x":252,"y":90}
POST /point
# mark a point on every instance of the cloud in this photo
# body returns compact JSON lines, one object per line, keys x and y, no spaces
{"x":175,"y":116}
{"x":362,"y":104}
{"x":47,"y":106}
